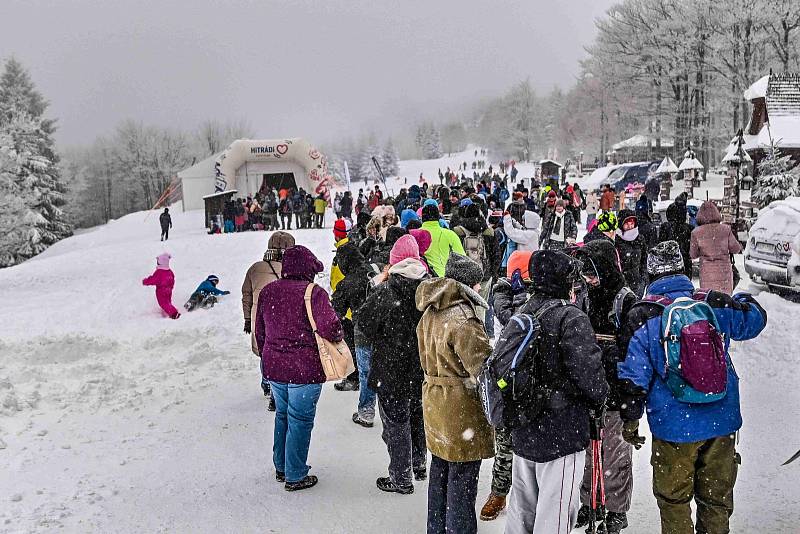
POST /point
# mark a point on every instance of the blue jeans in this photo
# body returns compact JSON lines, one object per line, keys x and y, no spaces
{"x":366,"y":397}
{"x":295,"y":408}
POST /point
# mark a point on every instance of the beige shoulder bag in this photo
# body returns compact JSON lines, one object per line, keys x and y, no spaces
{"x":336,"y":359}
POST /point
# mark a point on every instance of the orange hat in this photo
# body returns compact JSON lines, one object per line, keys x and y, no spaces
{"x":519,"y":259}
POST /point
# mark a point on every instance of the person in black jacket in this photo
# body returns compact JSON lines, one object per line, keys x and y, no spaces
{"x":396,"y":374}
{"x":549,"y":453}
{"x":346,"y":205}
{"x":647,"y":228}
{"x":675,"y":228}
{"x":350,"y":294}
{"x":166,"y":223}
{"x":608,"y":301}
{"x":632,"y":250}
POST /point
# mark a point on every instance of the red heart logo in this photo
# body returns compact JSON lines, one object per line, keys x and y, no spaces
{"x":281,"y":149}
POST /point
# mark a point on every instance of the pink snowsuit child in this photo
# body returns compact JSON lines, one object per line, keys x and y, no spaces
{"x":164,"y":280}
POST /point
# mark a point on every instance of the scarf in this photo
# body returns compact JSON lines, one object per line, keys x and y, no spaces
{"x":411,"y":268}
{"x":558,"y":227}
{"x":630,"y":235}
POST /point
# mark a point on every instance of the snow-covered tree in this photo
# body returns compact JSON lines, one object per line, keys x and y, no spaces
{"x":366,"y":168}
{"x":31,"y":191}
{"x":429,"y":141}
{"x":390,"y":159}
{"x":777,"y":178}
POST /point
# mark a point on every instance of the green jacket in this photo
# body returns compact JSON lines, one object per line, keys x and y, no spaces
{"x":442,"y":242}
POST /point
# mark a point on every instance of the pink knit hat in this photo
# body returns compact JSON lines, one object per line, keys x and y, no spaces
{"x":162,"y":260}
{"x":423,"y":238}
{"x":405,"y":247}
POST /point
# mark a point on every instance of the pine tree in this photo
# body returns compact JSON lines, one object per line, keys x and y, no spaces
{"x":31,"y":191}
{"x":777,"y":179}
{"x":366,"y":168}
{"x":390,"y":159}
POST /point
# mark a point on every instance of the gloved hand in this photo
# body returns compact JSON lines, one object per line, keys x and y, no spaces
{"x":630,"y":433}
{"x":517,"y":285}
{"x":226,"y":292}
{"x":247,"y":326}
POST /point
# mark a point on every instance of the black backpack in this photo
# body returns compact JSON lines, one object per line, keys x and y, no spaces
{"x":510,"y":384}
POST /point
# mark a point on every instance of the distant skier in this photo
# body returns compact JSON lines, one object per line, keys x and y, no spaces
{"x":205,"y":296}
{"x":164,"y":280}
{"x":166,"y":224}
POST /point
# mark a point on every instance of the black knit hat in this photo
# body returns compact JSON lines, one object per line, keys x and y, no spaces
{"x":430,"y":213}
{"x":665,"y":259}
{"x":553,"y":273}
{"x":463,"y":269}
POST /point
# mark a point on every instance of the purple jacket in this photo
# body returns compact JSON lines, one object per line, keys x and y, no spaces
{"x":283,"y":333}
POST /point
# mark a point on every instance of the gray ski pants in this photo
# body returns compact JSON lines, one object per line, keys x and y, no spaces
{"x":617,"y":467}
{"x":545,"y":496}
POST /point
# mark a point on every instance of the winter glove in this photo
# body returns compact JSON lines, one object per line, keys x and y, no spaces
{"x":247,"y":326}
{"x":630,"y":433}
{"x":226,"y":292}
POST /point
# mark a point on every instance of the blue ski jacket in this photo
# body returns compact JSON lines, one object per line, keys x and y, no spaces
{"x":208,"y":287}
{"x":643,"y":371}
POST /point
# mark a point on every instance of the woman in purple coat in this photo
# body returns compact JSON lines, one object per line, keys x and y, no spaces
{"x":290,"y":360}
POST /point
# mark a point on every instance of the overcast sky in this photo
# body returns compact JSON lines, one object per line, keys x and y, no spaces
{"x":292,"y":68}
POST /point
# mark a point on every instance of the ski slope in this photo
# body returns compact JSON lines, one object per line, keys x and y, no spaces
{"x":115,"y":419}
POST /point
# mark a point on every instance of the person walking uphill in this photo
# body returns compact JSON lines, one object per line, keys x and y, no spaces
{"x":608,"y":300}
{"x":166,"y":223}
{"x":164,"y":280}
{"x":349,"y":297}
{"x":549,"y":455}
{"x":290,"y":360}
{"x":714,"y":242}
{"x":259,"y":275}
{"x":452,"y":348}
{"x":443,"y":241}
{"x":694,"y":430}
{"x":395,"y":374}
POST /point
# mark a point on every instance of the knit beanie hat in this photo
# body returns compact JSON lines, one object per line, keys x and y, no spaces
{"x":431,"y":202}
{"x":405,"y":247}
{"x":665,"y":259}
{"x":406,"y":216}
{"x":607,"y":222}
{"x":281,"y":240}
{"x":463,"y":269}
{"x":340,"y":228}
{"x":552,"y":273}
{"x":423,"y":238}
{"x":162,"y":260}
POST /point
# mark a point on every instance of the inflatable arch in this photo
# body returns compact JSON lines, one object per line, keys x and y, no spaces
{"x":295,"y":150}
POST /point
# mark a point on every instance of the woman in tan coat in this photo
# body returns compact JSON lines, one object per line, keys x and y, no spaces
{"x":452,"y":348}
{"x":259,"y":275}
{"x":714,"y":242}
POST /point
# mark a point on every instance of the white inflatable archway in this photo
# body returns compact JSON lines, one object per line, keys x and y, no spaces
{"x":296,"y":150}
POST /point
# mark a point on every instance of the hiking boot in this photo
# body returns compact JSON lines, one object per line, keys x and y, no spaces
{"x":363,"y":421}
{"x":420,"y":473}
{"x":308,"y":482}
{"x":615,"y":522}
{"x":386,"y":484}
{"x":271,"y":404}
{"x":494,"y":505}
{"x":584,"y":516}
{"x":280,"y":476}
{"x":346,"y":385}
{"x":175,"y":315}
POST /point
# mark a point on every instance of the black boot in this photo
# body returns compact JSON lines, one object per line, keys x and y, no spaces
{"x":420,"y":473}
{"x":271,"y":404}
{"x":584,"y":515}
{"x":280,"y":476}
{"x":386,"y":484}
{"x":308,"y":482}
{"x":615,"y":522}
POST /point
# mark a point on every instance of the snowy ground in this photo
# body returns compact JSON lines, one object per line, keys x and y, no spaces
{"x":114,"y":419}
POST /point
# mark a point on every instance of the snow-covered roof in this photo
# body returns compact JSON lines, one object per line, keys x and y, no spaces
{"x":784,"y":129}
{"x":550,"y":161}
{"x":221,"y":193}
{"x":667,"y":166}
{"x":758,"y":89}
{"x":689,"y":164}
{"x":641,"y":140}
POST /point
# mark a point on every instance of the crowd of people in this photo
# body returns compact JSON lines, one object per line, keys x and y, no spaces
{"x":418,"y":284}
{"x":272,"y":210}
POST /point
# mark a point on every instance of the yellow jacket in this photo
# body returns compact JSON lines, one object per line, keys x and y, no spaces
{"x":336,"y":273}
{"x":320,"y":205}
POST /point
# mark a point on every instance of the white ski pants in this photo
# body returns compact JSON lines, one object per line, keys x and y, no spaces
{"x":545,"y":497}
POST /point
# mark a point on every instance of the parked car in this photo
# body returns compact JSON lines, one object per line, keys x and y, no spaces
{"x":772,"y":254}
{"x":631,"y":173}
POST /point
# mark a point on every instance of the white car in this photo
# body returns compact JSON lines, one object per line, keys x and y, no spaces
{"x":772,"y":254}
